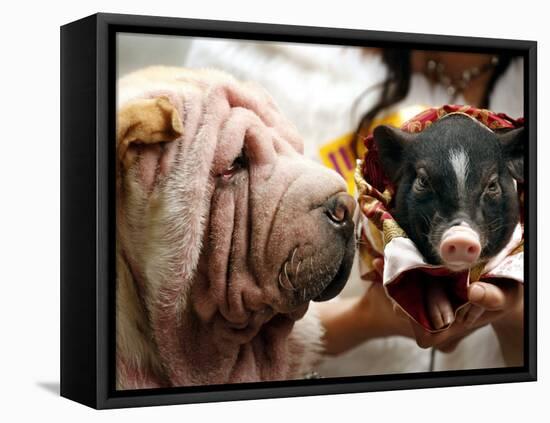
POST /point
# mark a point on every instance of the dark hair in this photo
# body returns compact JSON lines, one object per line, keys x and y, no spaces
{"x":396,"y":87}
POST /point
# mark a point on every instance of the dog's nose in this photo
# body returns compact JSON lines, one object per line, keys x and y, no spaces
{"x":340,"y":208}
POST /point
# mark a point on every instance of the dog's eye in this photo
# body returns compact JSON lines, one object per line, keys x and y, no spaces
{"x":239,"y":163}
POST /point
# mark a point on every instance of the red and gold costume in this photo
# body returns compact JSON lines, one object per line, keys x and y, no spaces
{"x":405,"y":270}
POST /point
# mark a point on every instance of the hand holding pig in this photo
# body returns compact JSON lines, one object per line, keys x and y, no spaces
{"x":351,"y":321}
{"x":455,"y":196}
{"x":501,"y":306}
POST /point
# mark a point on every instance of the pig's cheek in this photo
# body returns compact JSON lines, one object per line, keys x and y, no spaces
{"x":494,"y":230}
{"x":426,"y":240}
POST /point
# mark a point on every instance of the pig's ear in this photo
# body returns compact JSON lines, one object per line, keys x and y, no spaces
{"x":145,"y":122}
{"x":512,"y":142}
{"x":391,"y":143}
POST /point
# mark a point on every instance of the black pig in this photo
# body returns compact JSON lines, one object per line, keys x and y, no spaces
{"x":455,"y":192}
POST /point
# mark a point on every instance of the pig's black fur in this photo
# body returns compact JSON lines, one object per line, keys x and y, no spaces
{"x":427,"y":200}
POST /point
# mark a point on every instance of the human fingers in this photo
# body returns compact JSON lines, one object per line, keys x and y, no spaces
{"x":487,"y":296}
{"x":378,"y":265}
{"x":474,"y":313}
{"x":439,"y":307}
{"x":462,"y":312}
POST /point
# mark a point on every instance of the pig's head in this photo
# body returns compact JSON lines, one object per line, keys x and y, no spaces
{"x":455,"y":184}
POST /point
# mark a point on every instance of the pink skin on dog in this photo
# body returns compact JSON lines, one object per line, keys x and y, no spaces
{"x":225,"y":233}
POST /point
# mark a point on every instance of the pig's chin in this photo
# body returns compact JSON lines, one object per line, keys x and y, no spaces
{"x":459,"y":267}
{"x":455,"y":267}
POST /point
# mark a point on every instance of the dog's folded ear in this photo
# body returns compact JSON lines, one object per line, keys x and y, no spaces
{"x":145,"y":121}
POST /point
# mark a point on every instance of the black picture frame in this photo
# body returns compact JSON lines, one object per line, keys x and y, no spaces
{"x":88,"y":221}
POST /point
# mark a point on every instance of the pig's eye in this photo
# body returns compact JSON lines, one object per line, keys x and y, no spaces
{"x":422,"y":183}
{"x":493,"y":188}
{"x":239,"y":163}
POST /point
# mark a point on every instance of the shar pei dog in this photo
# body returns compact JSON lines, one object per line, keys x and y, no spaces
{"x":225,"y":234}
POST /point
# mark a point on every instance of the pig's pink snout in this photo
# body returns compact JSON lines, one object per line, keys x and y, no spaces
{"x":460,"y":247}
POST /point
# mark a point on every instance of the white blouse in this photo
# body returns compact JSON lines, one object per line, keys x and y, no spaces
{"x":322,"y":89}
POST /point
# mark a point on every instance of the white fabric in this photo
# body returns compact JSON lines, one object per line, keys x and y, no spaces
{"x":501,"y":263}
{"x":411,"y":258}
{"x":317,"y":88}
{"x":314,"y":86}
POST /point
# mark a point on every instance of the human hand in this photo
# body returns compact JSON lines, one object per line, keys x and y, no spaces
{"x":489,"y":303}
{"x":499,"y":303}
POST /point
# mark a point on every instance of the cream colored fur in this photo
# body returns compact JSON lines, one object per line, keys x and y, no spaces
{"x":143,"y":240}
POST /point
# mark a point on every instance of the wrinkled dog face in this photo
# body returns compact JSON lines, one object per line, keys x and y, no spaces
{"x":273,"y":229}
{"x":286,"y":222}
{"x":280,"y":230}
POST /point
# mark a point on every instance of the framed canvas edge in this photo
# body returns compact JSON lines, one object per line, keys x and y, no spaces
{"x":107,"y":25}
{"x":78,"y":220}
{"x":423,"y":381}
{"x":530,"y":313}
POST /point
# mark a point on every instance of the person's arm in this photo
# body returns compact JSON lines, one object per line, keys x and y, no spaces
{"x":349,"y":322}
{"x":507,"y":300}
{"x":509,"y":331}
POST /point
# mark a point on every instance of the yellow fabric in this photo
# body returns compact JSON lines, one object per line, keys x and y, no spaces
{"x":338,"y":154}
{"x":395,"y":118}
